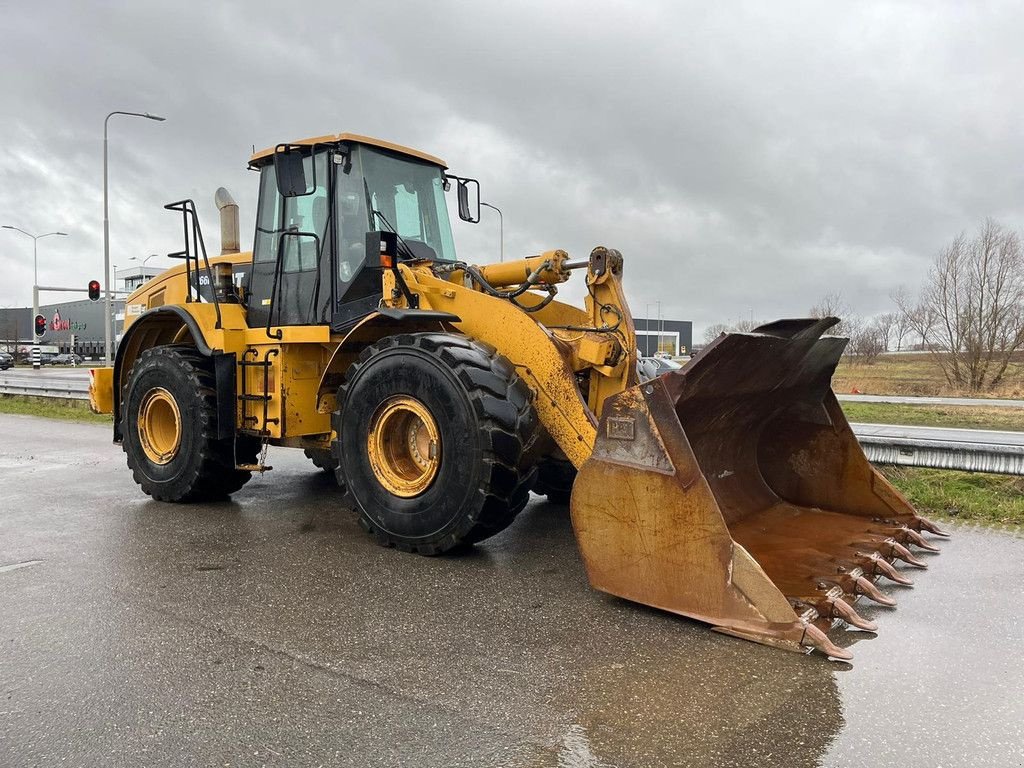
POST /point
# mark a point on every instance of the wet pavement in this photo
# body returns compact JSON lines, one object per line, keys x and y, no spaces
{"x":270,"y":631}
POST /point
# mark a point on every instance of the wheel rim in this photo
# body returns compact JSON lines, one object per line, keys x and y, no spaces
{"x":404,"y":446}
{"x":159,"y":426}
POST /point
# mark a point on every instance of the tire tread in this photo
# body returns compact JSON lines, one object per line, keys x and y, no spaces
{"x":504,"y":408}
{"x":213,"y":475}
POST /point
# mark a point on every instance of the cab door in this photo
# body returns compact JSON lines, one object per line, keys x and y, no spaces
{"x":291,"y":278}
{"x":359,"y":288}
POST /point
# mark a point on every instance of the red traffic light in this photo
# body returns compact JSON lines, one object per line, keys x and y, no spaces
{"x":40,"y":325}
{"x":94,"y":290}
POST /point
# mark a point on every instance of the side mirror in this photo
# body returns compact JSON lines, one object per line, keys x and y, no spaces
{"x":469,"y":199}
{"x":290,"y":168}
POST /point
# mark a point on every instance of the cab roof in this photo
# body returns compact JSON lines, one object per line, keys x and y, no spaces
{"x":259,"y":157}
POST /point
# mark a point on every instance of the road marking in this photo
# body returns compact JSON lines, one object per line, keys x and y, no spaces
{"x":16,"y":566}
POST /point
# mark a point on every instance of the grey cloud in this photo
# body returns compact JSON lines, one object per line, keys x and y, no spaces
{"x":742,"y":156}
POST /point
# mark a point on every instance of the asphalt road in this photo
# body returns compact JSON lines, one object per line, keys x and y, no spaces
{"x":270,"y":631}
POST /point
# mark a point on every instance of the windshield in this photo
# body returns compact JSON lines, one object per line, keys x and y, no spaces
{"x":408,"y":196}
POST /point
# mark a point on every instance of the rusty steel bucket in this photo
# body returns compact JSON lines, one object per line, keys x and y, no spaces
{"x":733,"y":491}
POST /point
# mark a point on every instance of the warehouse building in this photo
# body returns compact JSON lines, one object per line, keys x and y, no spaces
{"x":71,"y":326}
{"x":673,"y":337}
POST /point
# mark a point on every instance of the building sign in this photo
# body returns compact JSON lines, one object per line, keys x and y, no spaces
{"x":60,"y":324}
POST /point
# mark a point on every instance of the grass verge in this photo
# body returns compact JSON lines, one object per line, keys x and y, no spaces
{"x":965,"y":417}
{"x":965,"y":496}
{"x":51,"y":408}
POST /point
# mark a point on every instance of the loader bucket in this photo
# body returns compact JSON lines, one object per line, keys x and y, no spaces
{"x":733,"y":491}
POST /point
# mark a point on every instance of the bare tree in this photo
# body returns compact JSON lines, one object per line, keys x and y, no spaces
{"x":833,"y":305}
{"x":919,"y":318}
{"x":712,"y":332}
{"x":883,"y":328}
{"x":901,"y":326}
{"x":871,"y":339}
{"x":971,"y":314}
{"x":853,"y":328}
{"x":745,"y":326}
{"x":9,"y":333}
{"x":850,"y":325}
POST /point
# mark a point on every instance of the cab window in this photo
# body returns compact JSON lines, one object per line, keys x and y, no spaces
{"x":304,"y":218}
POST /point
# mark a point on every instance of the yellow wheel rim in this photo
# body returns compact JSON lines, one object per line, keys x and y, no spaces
{"x":404,"y":446}
{"x":159,"y":426}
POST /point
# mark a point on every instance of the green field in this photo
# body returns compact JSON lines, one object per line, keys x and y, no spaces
{"x":915,"y":374}
{"x":53,"y":408}
{"x":936,"y":415}
{"x":963,"y":496}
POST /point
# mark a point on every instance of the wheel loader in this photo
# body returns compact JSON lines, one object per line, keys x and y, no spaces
{"x":441,"y":392}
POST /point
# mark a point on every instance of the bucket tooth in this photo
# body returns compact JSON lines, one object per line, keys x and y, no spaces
{"x":924,"y":524}
{"x":815,"y":638}
{"x":875,"y":564}
{"x":858,"y":585}
{"x":900,"y":552}
{"x":908,"y":536}
{"x":837,"y":608}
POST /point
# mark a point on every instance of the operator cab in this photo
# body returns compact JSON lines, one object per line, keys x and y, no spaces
{"x":318,"y":200}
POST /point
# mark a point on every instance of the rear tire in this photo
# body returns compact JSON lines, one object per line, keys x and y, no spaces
{"x":322,"y":458}
{"x":169,"y":429}
{"x":435,"y":441}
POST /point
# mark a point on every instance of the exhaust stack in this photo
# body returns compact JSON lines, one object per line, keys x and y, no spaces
{"x":229,"y":241}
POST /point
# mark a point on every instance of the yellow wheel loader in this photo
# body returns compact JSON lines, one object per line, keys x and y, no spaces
{"x":441,"y":392}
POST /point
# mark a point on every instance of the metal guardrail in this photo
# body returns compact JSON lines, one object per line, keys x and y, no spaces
{"x":969,"y":450}
{"x":69,"y":389}
{"x":962,"y":449}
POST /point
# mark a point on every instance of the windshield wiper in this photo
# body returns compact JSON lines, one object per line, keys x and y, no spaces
{"x":378,"y":215}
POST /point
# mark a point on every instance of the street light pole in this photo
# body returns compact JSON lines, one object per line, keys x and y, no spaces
{"x":106,"y":232}
{"x":142,"y":269}
{"x":647,"y":328}
{"x":501,"y":227}
{"x":35,"y":285}
{"x":661,"y":326}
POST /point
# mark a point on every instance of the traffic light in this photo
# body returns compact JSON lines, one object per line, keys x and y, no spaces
{"x":94,"y":290}
{"x":40,"y":325}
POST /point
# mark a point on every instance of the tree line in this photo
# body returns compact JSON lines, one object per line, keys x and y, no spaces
{"x":968,"y":314}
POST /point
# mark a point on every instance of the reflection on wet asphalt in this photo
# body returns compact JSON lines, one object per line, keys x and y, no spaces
{"x":270,"y":631}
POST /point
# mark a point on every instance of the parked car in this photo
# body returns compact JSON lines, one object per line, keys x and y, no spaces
{"x":652,"y":367}
{"x":66,"y":358}
{"x":6,"y":361}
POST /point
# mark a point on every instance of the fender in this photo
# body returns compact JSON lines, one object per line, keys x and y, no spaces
{"x":173,"y":324}
{"x":372,"y":328}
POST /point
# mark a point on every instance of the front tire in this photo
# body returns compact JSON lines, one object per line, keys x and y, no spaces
{"x":169,"y":429}
{"x":435,"y":441}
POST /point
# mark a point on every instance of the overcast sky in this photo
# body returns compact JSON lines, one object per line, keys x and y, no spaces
{"x":744,"y":157}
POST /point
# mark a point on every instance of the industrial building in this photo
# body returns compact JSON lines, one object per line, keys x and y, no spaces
{"x":71,"y":326}
{"x":673,"y":337}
